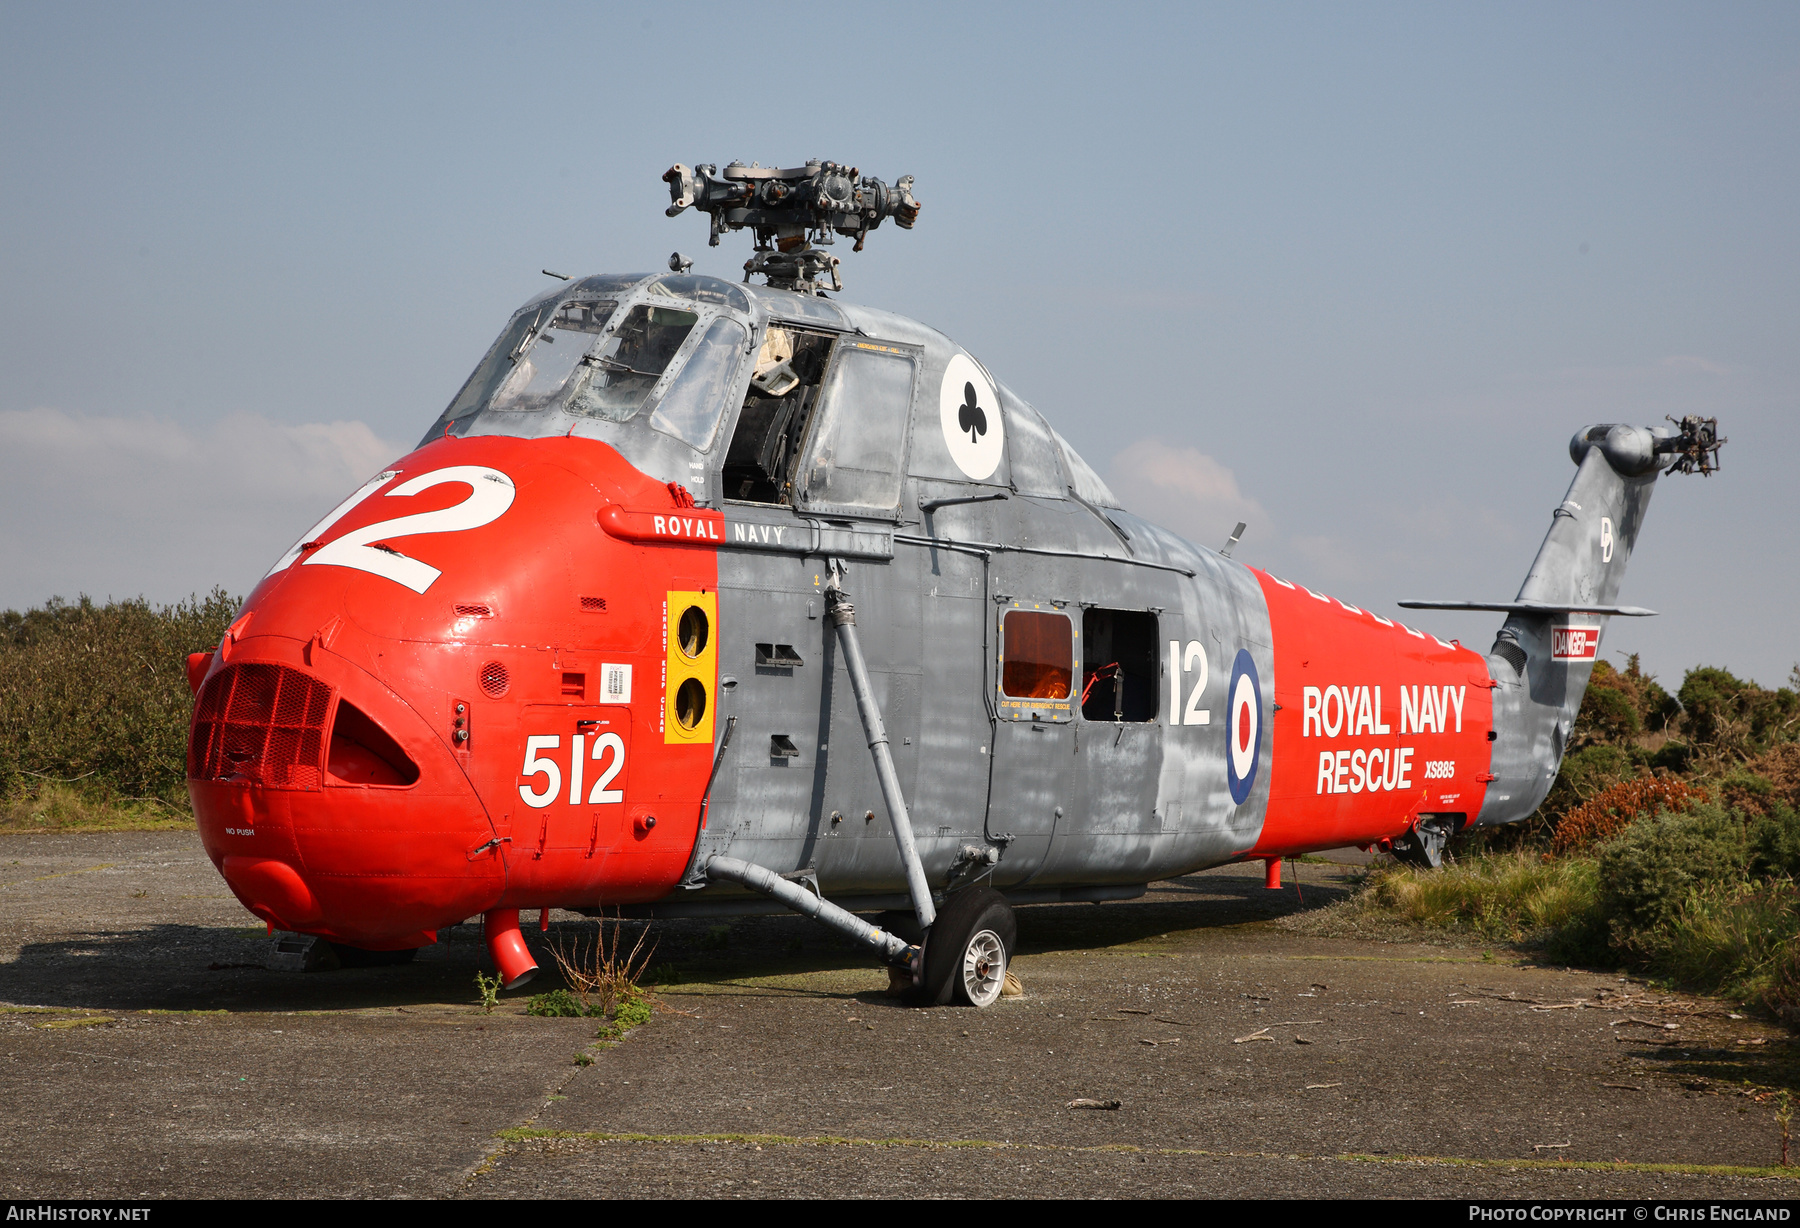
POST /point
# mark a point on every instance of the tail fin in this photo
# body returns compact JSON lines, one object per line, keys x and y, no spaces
{"x":1545,"y":651}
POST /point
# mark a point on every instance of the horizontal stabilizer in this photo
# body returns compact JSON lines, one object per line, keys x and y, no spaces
{"x":1530,"y":607}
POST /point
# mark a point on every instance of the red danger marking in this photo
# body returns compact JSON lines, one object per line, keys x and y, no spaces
{"x":1574,"y":643}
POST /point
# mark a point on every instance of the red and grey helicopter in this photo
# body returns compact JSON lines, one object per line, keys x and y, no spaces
{"x":706,"y":598}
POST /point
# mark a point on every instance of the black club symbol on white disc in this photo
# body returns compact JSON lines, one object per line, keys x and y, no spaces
{"x":971,"y":417}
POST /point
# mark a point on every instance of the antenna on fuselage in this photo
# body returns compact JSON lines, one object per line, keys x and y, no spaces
{"x":790,"y":212}
{"x":1232,"y":542}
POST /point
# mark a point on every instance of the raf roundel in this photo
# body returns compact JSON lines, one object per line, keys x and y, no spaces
{"x":969,"y":411}
{"x":1244,"y":727}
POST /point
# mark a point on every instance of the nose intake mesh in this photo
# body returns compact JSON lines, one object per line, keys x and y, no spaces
{"x":261,"y":723}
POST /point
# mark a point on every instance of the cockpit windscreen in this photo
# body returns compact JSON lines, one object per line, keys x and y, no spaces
{"x":546,"y":361}
{"x":622,"y":370}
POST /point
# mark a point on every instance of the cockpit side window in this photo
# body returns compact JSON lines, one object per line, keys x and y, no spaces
{"x":545,"y":360}
{"x":784,"y":388}
{"x":855,"y":458}
{"x":618,"y":375}
{"x":691,"y":408}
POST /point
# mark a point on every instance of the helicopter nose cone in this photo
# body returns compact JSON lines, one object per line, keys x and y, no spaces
{"x":329,"y":806}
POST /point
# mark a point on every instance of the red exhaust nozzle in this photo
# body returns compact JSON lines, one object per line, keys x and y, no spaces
{"x":507,"y":947}
{"x":1272,"y":873}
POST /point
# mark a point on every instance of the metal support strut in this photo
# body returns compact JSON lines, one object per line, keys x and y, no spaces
{"x":843,"y":617}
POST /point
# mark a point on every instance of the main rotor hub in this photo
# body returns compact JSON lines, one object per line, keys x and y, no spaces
{"x":790,"y":211}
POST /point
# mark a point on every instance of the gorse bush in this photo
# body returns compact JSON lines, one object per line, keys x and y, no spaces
{"x":1614,"y":808}
{"x":1730,"y":937}
{"x":1726,"y":715}
{"x":1649,"y":870}
{"x":98,"y":694}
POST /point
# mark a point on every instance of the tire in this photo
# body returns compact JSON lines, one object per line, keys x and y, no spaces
{"x":967,"y":950}
{"x":361,"y":957}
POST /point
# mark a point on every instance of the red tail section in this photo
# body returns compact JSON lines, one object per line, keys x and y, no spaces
{"x":1375,"y":724}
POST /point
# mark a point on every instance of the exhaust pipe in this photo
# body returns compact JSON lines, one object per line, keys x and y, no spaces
{"x":506,"y":946}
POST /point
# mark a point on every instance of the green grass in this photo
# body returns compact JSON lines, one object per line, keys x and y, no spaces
{"x":57,"y":806}
{"x":1508,"y":897}
{"x":1731,"y":940}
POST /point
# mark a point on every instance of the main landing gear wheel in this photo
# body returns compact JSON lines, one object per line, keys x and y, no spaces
{"x":967,"y":950}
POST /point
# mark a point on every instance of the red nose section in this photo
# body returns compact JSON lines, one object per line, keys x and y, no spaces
{"x":486,"y":681}
{"x":272,"y":890}
{"x":328,"y":805}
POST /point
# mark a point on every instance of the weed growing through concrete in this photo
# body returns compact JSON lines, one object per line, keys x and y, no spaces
{"x":557,"y":1004}
{"x":603,"y":974}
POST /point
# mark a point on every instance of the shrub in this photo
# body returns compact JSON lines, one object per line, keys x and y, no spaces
{"x":1774,"y":839}
{"x":99,"y":694}
{"x":1650,"y":869}
{"x":1607,"y":713}
{"x":1780,"y":768}
{"x":1783,"y":995}
{"x":1614,"y":808}
{"x":1724,"y":937}
{"x":1732,"y":717}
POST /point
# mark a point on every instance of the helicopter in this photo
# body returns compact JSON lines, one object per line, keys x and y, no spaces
{"x":704,"y":598}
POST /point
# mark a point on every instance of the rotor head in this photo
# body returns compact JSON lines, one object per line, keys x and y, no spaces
{"x":791,"y":211}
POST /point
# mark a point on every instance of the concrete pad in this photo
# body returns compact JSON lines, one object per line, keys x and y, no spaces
{"x":1425,"y":1070}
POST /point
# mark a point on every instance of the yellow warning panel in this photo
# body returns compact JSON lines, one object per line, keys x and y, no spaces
{"x":691,"y":667}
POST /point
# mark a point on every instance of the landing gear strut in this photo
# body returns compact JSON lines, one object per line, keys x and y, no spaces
{"x":1423,"y":846}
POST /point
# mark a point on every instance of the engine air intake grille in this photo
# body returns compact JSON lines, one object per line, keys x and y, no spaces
{"x":262,"y":723}
{"x":1512,"y":654}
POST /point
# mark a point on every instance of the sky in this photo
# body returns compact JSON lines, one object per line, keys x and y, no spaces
{"x":1351,"y":273}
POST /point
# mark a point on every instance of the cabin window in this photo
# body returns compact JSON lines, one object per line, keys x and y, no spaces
{"x":784,"y":388}
{"x":856,"y":448}
{"x":616,"y":378}
{"x":1119,"y":665}
{"x":1037,"y":672}
{"x":691,"y":408}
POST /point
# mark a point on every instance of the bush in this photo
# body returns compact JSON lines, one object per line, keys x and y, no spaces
{"x":1771,"y":777}
{"x":1729,"y":716}
{"x":99,"y":694}
{"x":1611,"y":810}
{"x":1726,"y":937}
{"x":1650,"y":869}
{"x":1607,"y":714}
{"x":1774,"y":839}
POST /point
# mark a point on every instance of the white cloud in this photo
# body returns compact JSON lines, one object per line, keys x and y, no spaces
{"x":118,"y":506}
{"x":1185,"y":490}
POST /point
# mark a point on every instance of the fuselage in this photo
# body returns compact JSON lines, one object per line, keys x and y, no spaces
{"x":575,"y":641}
